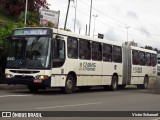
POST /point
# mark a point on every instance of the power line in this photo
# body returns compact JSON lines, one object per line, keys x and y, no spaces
{"x":148,"y":41}
{"x":121,"y":21}
{"x":106,"y":24}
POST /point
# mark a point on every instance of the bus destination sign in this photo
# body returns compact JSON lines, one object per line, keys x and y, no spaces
{"x":19,"y":32}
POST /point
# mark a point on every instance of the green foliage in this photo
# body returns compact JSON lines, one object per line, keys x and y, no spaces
{"x":15,"y":7}
{"x":151,"y":48}
{"x":31,"y":20}
{"x":5,"y":31}
{"x":4,"y":15}
{"x":50,"y":24}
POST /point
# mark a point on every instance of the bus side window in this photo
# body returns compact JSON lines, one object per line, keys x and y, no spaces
{"x":96,"y":51}
{"x":58,"y":53}
{"x":153,"y":60}
{"x":84,"y":49}
{"x":117,"y":54}
{"x":135,"y":57}
{"x":107,"y":53}
{"x":148,"y":59}
{"x":142,"y":60}
{"x":72,"y":46}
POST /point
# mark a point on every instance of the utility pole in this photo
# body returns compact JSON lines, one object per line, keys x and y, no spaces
{"x":67,"y":14}
{"x":26,"y":12}
{"x":86,"y":30}
{"x":75,"y":16}
{"x":90,"y":19}
{"x":127,"y":33}
{"x":94,"y":23}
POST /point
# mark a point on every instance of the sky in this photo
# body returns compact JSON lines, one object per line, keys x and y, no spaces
{"x":141,"y":18}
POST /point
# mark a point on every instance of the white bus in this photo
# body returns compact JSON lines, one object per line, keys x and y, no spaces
{"x":44,"y":57}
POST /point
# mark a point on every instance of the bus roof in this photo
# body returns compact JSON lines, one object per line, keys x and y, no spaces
{"x":71,"y":34}
{"x":143,"y":49}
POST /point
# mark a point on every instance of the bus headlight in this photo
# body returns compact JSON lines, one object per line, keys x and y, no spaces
{"x":9,"y":76}
{"x":41,"y":77}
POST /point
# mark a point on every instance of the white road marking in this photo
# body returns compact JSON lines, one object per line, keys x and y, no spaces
{"x":73,"y":105}
{"x":2,"y":96}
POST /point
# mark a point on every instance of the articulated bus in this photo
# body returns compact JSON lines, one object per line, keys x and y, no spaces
{"x":43,"y":57}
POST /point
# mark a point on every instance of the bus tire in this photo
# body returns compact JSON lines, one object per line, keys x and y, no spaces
{"x":32,"y":89}
{"x":70,"y":85}
{"x":114,"y":83}
{"x":145,"y":83}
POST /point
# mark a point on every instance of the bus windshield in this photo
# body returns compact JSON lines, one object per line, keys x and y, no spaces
{"x":29,"y":52}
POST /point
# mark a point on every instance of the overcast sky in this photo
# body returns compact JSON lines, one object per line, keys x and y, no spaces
{"x":141,"y":16}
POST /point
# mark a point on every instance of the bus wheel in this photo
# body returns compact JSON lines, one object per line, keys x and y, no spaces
{"x":32,"y":88}
{"x":145,"y":83}
{"x":114,"y":84}
{"x":70,"y":85}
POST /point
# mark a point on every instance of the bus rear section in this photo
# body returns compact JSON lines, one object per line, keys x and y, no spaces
{"x":139,"y":66}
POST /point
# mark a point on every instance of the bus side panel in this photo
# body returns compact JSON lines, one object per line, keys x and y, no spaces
{"x":135,"y":75}
{"x":95,"y":77}
{"x":58,"y":77}
{"x":88,"y":72}
{"x":109,"y":68}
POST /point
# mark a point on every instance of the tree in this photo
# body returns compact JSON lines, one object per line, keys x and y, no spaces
{"x":148,"y":47}
{"x":32,"y":19}
{"x":15,"y":7}
{"x":5,"y":31}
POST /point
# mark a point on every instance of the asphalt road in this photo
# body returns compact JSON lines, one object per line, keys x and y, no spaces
{"x":128,"y":99}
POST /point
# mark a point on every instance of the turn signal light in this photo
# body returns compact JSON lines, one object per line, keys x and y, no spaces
{"x":41,"y":77}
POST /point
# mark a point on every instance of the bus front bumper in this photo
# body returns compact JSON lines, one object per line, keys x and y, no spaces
{"x":28,"y":81}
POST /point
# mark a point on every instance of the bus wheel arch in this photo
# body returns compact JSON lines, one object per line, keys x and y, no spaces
{"x":70,"y":83}
{"x":114,"y":82}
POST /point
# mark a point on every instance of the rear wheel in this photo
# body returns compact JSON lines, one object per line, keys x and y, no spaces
{"x":145,"y":83}
{"x":70,"y":85}
{"x":114,"y":84}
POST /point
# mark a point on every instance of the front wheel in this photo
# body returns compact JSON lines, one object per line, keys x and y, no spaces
{"x":70,"y":85}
